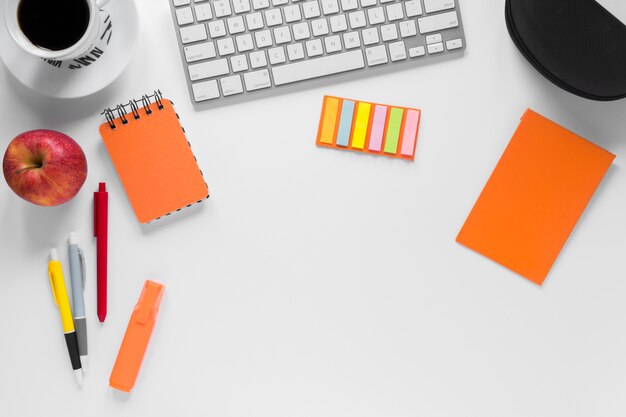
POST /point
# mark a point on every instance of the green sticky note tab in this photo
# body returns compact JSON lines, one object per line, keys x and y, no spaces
{"x":393,"y":130}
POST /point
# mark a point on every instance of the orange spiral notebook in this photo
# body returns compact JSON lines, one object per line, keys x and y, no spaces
{"x":152,"y":157}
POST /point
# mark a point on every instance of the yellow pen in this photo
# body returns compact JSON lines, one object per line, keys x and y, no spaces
{"x":57,"y":282}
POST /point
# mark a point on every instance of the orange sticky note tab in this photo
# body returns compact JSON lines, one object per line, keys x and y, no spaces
{"x":137,"y":336}
{"x":329,"y":120}
{"x":536,"y":194}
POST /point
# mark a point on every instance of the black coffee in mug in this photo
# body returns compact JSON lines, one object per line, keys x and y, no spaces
{"x":53,"y":24}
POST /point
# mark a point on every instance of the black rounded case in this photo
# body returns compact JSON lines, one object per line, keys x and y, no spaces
{"x":577,"y":44}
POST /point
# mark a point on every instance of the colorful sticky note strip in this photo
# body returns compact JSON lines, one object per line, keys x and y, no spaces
{"x":368,"y":127}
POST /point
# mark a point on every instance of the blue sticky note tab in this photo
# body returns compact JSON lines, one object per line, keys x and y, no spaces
{"x":345,"y":123}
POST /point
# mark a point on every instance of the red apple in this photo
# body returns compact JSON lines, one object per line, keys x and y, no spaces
{"x":45,"y":167}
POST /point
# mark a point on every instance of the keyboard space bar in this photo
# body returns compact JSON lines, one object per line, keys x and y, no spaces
{"x":319,"y":67}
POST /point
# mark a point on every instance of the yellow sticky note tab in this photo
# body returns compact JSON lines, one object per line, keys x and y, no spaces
{"x":360,"y":125}
{"x":330,"y":120}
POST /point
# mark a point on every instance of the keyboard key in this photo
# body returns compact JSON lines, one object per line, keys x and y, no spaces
{"x":273,"y":17}
{"x":239,"y":63}
{"x":351,"y":40}
{"x":282,"y":35}
{"x":244,"y":43}
{"x":277,"y":55}
{"x":295,"y":52}
{"x":338,"y":23}
{"x":257,"y":80}
{"x":241,"y":6}
{"x":263,"y":38}
{"x":417,"y":51}
{"x":203,"y":12}
{"x":395,"y":12}
{"x":193,"y":33}
{"x":217,"y":29}
{"x":436,"y":38}
{"x":258,"y":59}
{"x":370,"y":36}
{"x":292,"y":13}
{"x":454,"y":44}
{"x":314,"y":48}
{"x":438,"y":22}
{"x":389,"y":32}
{"x":348,"y":5}
{"x":432,"y":6}
{"x":260,"y":4}
{"x":319,"y":27}
{"x":330,"y":6}
{"x":181,"y":2}
{"x":376,"y":55}
{"x":254,"y":20}
{"x":386,"y":1}
{"x":333,"y":44}
{"x":318,"y":67}
{"x":184,"y":16}
{"x":236,"y":25}
{"x":413,"y":8}
{"x":226,"y":46}
{"x":206,"y":90}
{"x":279,"y":2}
{"x":408,"y":28}
{"x":357,"y":19}
{"x":231,"y":85}
{"x":368,"y":3}
{"x":222,"y":8}
{"x":376,"y":15}
{"x":311,"y":9}
{"x":208,"y":69}
{"x":435,"y":48}
{"x":397,"y":51}
{"x":301,"y":31}
{"x":199,"y":52}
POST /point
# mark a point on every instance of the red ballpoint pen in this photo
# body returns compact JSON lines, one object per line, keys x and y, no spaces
{"x":100,"y":232}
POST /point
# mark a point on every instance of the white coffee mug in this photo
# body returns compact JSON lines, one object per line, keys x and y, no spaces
{"x":84,"y":44}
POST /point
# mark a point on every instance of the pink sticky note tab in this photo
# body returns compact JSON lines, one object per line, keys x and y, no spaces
{"x":378,"y":128}
{"x":410,"y":132}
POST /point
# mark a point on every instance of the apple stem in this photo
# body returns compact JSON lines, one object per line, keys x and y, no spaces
{"x":19,"y":171}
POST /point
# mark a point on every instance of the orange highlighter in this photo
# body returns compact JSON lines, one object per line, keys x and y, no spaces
{"x":137,"y":336}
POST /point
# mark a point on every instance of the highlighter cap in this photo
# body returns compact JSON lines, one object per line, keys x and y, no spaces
{"x":137,"y":336}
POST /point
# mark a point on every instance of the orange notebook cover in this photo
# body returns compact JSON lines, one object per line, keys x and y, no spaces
{"x":152,"y":157}
{"x":536,"y":194}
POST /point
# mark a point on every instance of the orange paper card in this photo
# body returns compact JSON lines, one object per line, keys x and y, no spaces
{"x":535,"y":195}
{"x":153,"y":158}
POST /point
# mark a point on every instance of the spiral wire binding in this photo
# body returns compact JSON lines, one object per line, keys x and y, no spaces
{"x":133,"y":107}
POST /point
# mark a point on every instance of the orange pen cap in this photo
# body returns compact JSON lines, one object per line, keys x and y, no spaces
{"x":137,"y":336}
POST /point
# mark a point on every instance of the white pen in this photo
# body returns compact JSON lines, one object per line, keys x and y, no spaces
{"x":77,"y":273}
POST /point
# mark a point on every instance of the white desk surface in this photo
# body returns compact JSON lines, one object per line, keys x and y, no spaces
{"x":316,"y":282}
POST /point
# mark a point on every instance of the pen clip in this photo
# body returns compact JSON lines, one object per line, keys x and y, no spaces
{"x":54,"y":294}
{"x":149,"y":301}
{"x":83,"y":269}
{"x":95,"y":214}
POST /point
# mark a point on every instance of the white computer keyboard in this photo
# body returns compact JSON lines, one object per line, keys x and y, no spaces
{"x":236,"y":49}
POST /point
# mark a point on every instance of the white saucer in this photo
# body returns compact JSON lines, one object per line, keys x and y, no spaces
{"x":49,"y":80}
